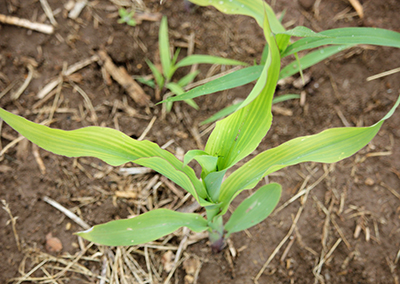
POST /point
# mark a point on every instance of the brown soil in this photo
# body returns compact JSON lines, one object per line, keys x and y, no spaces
{"x":355,"y":203}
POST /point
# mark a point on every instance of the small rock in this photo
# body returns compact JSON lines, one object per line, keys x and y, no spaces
{"x":369,"y":181}
{"x":306,"y":4}
{"x":53,"y":244}
{"x":168,"y":261}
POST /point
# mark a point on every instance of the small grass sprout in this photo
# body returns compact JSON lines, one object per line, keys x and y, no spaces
{"x":126,"y":17}
{"x":163,"y":79}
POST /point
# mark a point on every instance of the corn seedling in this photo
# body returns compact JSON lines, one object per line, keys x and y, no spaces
{"x":232,"y":140}
{"x":162,"y":79}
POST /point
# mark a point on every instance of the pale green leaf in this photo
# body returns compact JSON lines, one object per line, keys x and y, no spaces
{"x":187,"y":79}
{"x":232,"y":108}
{"x":239,"y":134}
{"x":157,"y":74}
{"x":301,"y":31}
{"x":328,"y":146}
{"x":347,"y":36}
{"x":178,"y":90}
{"x":254,"y":208}
{"x":232,"y":80}
{"x":253,"y":8}
{"x":207,"y":59}
{"x":163,"y":43}
{"x":311,"y":59}
{"x":143,"y":228}
{"x":165,"y":168}
{"x":109,"y":145}
{"x":213,"y":183}
{"x":284,"y":98}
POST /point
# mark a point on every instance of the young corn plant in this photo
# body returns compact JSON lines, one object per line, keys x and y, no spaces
{"x":324,"y":45}
{"x":163,"y":79}
{"x":233,"y":139}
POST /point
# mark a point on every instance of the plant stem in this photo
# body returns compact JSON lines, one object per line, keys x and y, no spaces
{"x":216,"y":234}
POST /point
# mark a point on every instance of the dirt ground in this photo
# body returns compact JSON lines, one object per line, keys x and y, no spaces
{"x":345,"y":229}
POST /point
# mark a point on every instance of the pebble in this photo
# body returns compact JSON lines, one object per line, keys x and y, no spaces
{"x":306,"y":4}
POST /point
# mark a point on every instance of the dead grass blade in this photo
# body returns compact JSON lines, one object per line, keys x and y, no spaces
{"x":24,"y":23}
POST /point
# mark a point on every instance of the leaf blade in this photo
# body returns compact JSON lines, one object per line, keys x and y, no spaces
{"x":254,"y":208}
{"x":347,"y":36}
{"x":207,"y":59}
{"x":143,"y":228}
{"x":328,"y":146}
{"x":109,"y":145}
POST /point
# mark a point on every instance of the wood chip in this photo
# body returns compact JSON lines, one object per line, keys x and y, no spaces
{"x":358,"y":7}
{"x":122,"y":77}
{"x":43,"y":28}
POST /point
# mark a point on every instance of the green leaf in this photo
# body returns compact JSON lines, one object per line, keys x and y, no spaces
{"x":178,"y":90}
{"x":143,"y":228}
{"x":239,"y":134}
{"x":254,"y":208}
{"x":222,"y":113}
{"x":328,"y":146}
{"x":347,"y":36}
{"x":232,"y":108}
{"x":163,"y":43}
{"x":157,"y":74}
{"x":187,"y":79}
{"x":109,"y":145}
{"x":253,"y":8}
{"x":191,"y":154}
{"x":311,"y":59}
{"x":301,"y":31}
{"x":146,"y":81}
{"x":232,"y":80}
{"x":284,"y":98}
{"x":207,"y":59}
{"x":213,"y":183}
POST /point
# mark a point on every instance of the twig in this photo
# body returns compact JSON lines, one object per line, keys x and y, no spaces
{"x":327,"y":256}
{"x":8,"y":88}
{"x":394,"y":192}
{"x":10,"y":20}
{"x":72,"y":69}
{"x":383,"y":74}
{"x":11,"y":144}
{"x":21,"y":89}
{"x":74,"y":13}
{"x":147,"y":128}
{"x":358,"y":7}
{"x":39,"y":161}
{"x":68,"y":213}
{"x":13,"y":221}
{"x":88,"y":103}
{"x":48,"y":11}
{"x":120,"y":75}
{"x":146,"y":256}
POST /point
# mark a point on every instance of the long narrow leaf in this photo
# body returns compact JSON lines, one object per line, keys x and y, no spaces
{"x":163,"y":43}
{"x":252,"y":8}
{"x":157,"y":74}
{"x":143,"y":228}
{"x":239,"y":134}
{"x":232,"y":80}
{"x":347,"y":36}
{"x":109,"y":145}
{"x":207,"y":59}
{"x":328,"y":146}
{"x":232,"y":108}
{"x":311,"y":59}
